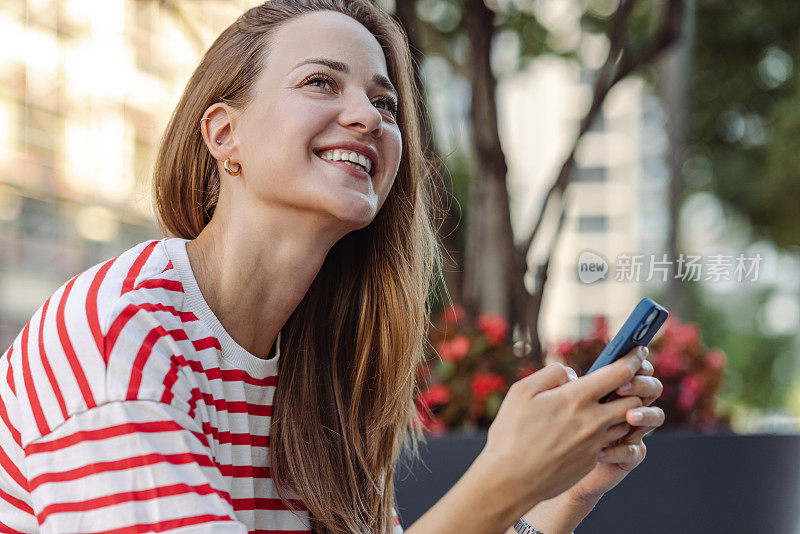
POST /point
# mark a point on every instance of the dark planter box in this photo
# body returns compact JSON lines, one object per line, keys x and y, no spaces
{"x":689,"y":483}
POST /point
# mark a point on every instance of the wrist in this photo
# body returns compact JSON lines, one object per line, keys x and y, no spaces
{"x":580,"y":501}
{"x":525,"y":490}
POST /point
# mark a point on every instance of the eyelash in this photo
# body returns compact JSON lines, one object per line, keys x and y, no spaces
{"x":324,"y":77}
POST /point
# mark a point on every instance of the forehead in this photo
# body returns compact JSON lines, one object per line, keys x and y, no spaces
{"x":325,"y":34}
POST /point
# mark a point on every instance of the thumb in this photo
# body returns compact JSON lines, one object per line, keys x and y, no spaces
{"x":550,"y":377}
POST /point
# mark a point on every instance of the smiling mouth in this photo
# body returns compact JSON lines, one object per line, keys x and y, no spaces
{"x":349,"y":167}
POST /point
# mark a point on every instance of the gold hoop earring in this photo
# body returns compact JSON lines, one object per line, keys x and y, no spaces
{"x":228,"y":169}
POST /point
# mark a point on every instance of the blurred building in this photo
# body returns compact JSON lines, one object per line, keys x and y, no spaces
{"x":86,"y":88}
{"x":541,"y":109}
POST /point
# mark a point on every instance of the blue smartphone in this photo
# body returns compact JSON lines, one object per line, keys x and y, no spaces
{"x":640,"y":327}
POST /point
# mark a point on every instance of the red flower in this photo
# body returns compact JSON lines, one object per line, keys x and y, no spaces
{"x":670,"y":363}
{"x":484,"y":384}
{"x":715,"y":359}
{"x":565,"y":348}
{"x":435,"y":395}
{"x":683,"y":334}
{"x":456,"y":349}
{"x":691,"y":389}
{"x":454,"y":314}
{"x":430,"y":423}
{"x":495,"y":327}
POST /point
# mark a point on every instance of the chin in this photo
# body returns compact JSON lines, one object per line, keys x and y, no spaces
{"x":356,"y":214}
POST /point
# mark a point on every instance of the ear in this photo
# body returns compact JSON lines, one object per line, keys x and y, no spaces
{"x":218,"y":131}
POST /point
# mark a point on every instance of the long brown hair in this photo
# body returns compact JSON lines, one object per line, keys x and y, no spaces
{"x":343,"y":410}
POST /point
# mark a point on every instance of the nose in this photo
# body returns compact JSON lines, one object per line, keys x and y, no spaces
{"x":360,"y":114}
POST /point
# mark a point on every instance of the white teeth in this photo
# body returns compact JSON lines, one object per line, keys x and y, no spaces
{"x":348,"y":156}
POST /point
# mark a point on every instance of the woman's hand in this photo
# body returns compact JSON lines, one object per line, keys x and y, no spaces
{"x":550,"y":428}
{"x":623,"y":455}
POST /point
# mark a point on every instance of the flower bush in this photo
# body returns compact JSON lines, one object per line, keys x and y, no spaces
{"x":465,"y":380}
{"x":690,"y":372}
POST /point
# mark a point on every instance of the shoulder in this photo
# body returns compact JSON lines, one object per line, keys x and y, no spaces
{"x":95,"y":323}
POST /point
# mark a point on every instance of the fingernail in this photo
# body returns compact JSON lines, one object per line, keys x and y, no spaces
{"x":645,"y":352}
{"x":571,"y":374}
{"x":637,"y":417}
{"x":625,"y":388}
{"x":642,"y":352}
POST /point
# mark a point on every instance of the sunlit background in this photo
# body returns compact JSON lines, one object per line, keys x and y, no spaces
{"x":87,"y":87}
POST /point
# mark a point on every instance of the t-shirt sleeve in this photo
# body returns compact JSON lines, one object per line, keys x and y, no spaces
{"x":397,"y":527}
{"x":128,"y":466}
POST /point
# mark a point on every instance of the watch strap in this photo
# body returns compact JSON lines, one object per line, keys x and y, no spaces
{"x":523,"y":527}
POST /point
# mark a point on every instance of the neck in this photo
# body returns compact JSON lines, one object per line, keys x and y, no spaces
{"x":253,"y":272}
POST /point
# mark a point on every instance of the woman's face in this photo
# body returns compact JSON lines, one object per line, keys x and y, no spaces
{"x":304,"y":109}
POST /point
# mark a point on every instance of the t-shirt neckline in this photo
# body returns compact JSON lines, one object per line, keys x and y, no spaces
{"x":233,"y":353}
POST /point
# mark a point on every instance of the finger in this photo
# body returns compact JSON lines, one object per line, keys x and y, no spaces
{"x":650,"y":417}
{"x":625,"y":453}
{"x":549,"y":377}
{"x":605,"y":380}
{"x":646,"y":369}
{"x":615,"y":411}
{"x":641,"y":386}
{"x":616,"y":434}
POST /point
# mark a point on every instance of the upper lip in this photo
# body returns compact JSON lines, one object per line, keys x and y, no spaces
{"x":352,"y":146}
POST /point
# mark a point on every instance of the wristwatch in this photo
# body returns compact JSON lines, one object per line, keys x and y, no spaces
{"x":523,"y":527}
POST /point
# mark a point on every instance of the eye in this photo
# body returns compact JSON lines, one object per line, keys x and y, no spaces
{"x":391,"y":104}
{"x":319,"y":77}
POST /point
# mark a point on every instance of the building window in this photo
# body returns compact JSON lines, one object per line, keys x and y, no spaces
{"x":590,"y":174}
{"x":592,"y":223}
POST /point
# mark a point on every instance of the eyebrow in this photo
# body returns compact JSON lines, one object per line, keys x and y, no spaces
{"x":378,"y":79}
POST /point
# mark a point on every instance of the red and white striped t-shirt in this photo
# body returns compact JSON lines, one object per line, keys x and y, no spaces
{"x":126,"y":407}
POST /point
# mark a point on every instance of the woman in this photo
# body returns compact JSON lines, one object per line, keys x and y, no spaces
{"x":256,"y":371}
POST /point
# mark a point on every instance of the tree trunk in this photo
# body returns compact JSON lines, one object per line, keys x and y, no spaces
{"x":673,"y":84}
{"x":490,"y":256}
{"x":450,"y":233}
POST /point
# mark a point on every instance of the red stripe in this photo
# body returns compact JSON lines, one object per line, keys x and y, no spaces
{"x":168,"y":267}
{"x":116,"y":327}
{"x":162,"y":526}
{"x":178,"y":361}
{"x":128,"y":496}
{"x":13,"y":471}
{"x":66,"y":344}
{"x":263,"y":503}
{"x":130,"y":310}
{"x":120,"y":465}
{"x":7,"y":421}
{"x":244,"y":471}
{"x":27,"y":377}
{"x":51,"y":377}
{"x":207,"y":343}
{"x":91,"y":304}
{"x":161,"y":283}
{"x":141,"y":359}
{"x":196,"y":395}
{"x":253,"y":440}
{"x":269,"y":531}
{"x":182,"y":315}
{"x":136,"y":268}
{"x":19,"y":504}
{"x":10,"y":373}
{"x":5,"y":529}
{"x":150,"y":427}
{"x":232,"y":375}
